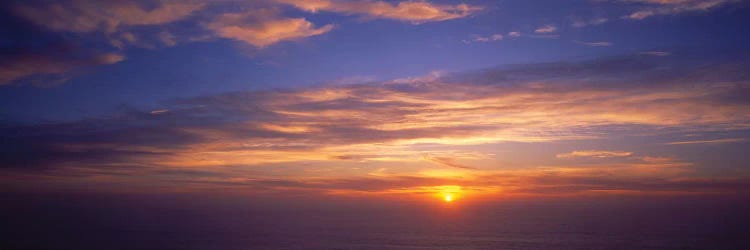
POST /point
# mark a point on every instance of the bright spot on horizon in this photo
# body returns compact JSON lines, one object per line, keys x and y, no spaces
{"x":448,"y":198}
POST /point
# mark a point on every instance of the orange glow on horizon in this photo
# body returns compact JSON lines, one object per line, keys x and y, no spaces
{"x":448,"y":194}
{"x":448,"y":198}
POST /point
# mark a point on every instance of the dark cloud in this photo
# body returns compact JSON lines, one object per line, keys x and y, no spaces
{"x":28,"y":52}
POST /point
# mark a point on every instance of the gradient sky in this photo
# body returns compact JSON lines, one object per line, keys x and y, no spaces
{"x":476,"y":99}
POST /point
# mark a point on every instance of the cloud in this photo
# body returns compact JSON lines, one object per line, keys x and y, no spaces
{"x":410,"y":11}
{"x":51,"y":63}
{"x":545,"y":29}
{"x":448,"y":162}
{"x":514,"y":34}
{"x":107,"y":16}
{"x":167,"y":38}
{"x":484,"y":39}
{"x":158,"y":111}
{"x":118,"y":24}
{"x":673,"y":7}
{"x":55,"y":60}
{"x":264,"y":27}
{"x":655,"y":53}
{"x":597,"y":180}
{"x":716,"y":141}
{"x":594,"y":154}
{"x":49,"y":55}
{"x":311,"y":136}
{"x":495,"y":37}
{"x":580,"y":23}
{"x":595,"y":44}
{"x":526,"y":103}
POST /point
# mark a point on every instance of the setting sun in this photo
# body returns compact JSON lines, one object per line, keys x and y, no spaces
{"x":448,"y":198}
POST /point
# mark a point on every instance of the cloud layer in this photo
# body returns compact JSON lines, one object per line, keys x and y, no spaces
{"x":405,"y":135}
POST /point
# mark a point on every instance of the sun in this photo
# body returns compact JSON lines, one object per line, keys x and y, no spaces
{"x":448,"y":198}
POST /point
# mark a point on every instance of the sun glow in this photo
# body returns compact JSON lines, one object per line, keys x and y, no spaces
{"x":448,"y":194}
{"x":448,"y":198}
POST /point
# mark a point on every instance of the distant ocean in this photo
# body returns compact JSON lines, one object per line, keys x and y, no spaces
{"x":165,"y":222}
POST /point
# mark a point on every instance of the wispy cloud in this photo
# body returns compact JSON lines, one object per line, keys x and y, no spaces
{"x":263,"y":27}
{"x":673,"y":7}
{"x":448,"y":162}
{"x":107,"y":16}
{"x":594,"y":154}
{"x":411,"y":11}
{"x":655,"y":53}
{"x":595,"y":44}
{"x":715,"y":141}
{"x":545,"y":29}
{"x":55,"y":59}
{"x":152,"y":24}
{"x":580,"y":22}
{"x":484,"y":39}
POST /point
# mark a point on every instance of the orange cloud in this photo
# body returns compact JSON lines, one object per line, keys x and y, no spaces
{"x":655,"y":177}
{"x":716,"y":141}
{"x":594,"y":154}
{"x":411,"y":11}
{"x":261,"y":28}
{"x":387,"y":122}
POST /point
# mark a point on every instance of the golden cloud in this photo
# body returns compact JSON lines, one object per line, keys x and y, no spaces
{"x":411,"y":11}
{"x":261,"y":28}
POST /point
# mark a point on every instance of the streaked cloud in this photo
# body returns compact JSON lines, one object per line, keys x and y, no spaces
{"x":655,"y":53}
{"x":580,"y":22}
{"x":593,"y":180}
{"x":107,"y":16}
{"x":673,"y":7}
{"x":263,"y":27}
{"x":484,"y":39}
{"x":410,"y":11}
{"x":594,"y":154}
{"x":595,"y":44}
{"x":158,"y":111}
{"x":448,"y":162}
{"x":23,"y":64}
{"x":545,"y":29}
{"x":715,"y":141}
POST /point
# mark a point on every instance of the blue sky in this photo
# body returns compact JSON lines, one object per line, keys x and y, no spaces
{"x":358,"y":48}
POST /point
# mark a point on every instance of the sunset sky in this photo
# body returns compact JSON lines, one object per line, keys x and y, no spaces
{"x":436,"y":101}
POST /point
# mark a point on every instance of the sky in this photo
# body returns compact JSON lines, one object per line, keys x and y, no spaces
{"x":434,"y":101}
